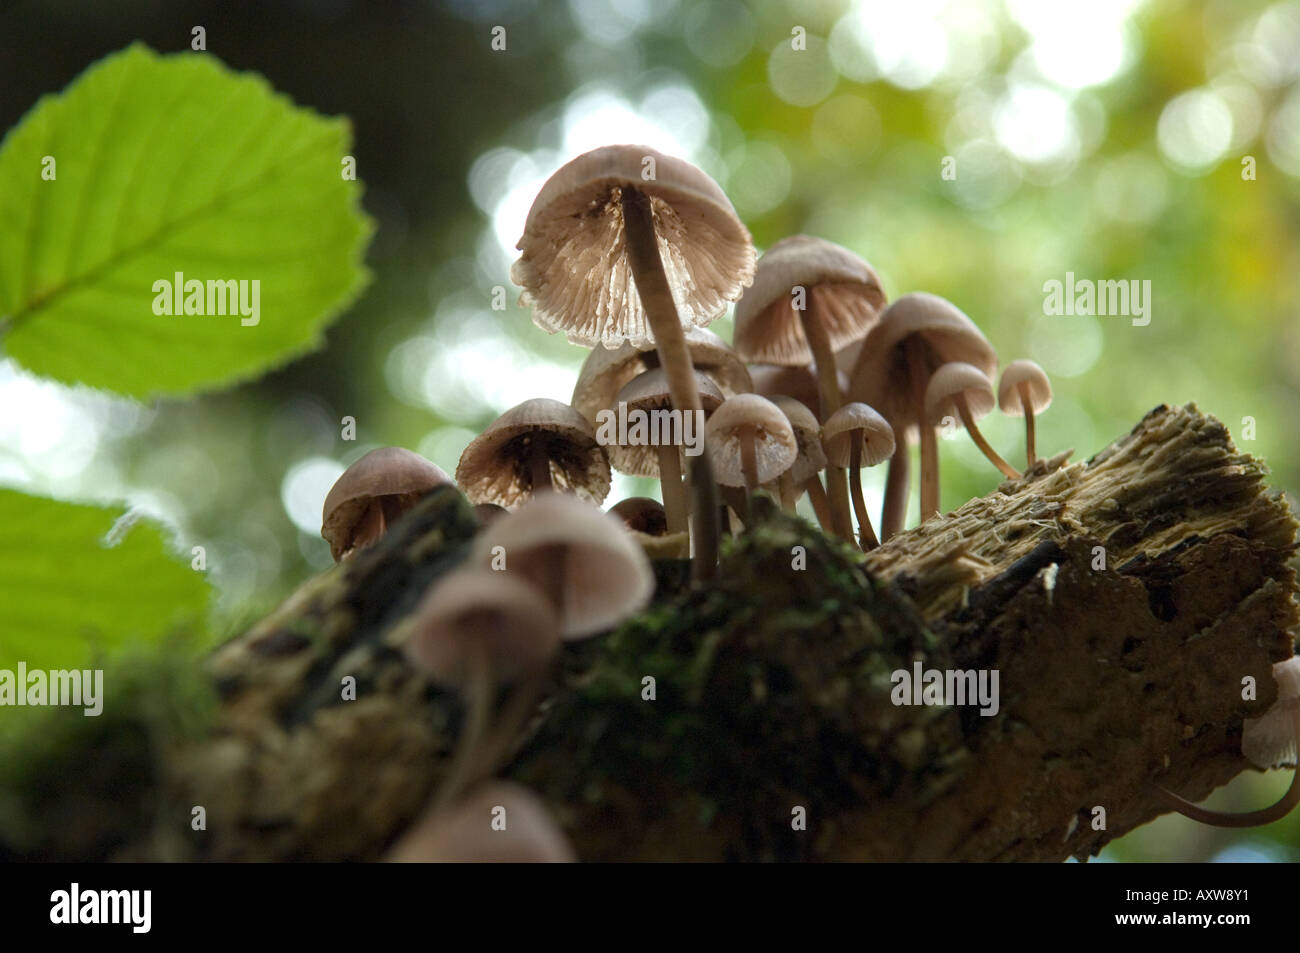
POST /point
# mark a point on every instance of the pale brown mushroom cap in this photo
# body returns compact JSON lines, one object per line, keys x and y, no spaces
{"x":642,"y":514}
{"x":603,"y":574}
{"x":391,"y":473}
{"x":476,"y":610}
{"x":464,"y":832}
{"x":574,"y":266}
{"x":953,"y":379}
{"x":1269,"y":741}
{"x":774,"y":440}
{"x":811,"y":459}
{"x":942,"y":334}
{"x":494,"y":467}
{"x":877,"y":437}
{"x":649,"y":392}
{"x":1024,"y":372}
{"x":843,"y":291}
{"x":772,"y":380}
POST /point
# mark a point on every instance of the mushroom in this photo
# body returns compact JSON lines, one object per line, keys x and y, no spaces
{"x":811,"y":460}
{"x":604,"y":373}
{"x":487,"y":512}
{"x":1025,"y":391}
{"x":583,"y":559}
{"x":856,"y":436}
{"x":497,"y":823}
{"x":627,"y":244}
{"x":965,"y":390}
{"x":916,"y":334}
{"x":1268,"y":741}
{"x":752,"y":443}
{"x":372,"y":494}
{"x":475,"y":630}
{"x":809,"y":297}
{"x":660,"y":456}
{"x":642,"y":515}
{"x":772,"y":380}
{"x":539,"y":445}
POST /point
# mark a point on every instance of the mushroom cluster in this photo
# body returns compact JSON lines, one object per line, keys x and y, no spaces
{"x":633,"y":254}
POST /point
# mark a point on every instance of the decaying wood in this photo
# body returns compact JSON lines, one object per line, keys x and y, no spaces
{"x":772,"y":687}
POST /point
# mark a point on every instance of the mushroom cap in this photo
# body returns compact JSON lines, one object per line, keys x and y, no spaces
{"x":857,"y":418}
{"x":772,"y":380}
{"x":487,"y":512}
{"x":494,"y":467}
{"x":642,"y":514}
{"x":1270,"y":741}
{"x":574,"y":266}
{"x":953,"y":379}
{"x":775,"y":446}
{"x":807,"y":436}
{"x":465,"y":833}
{"x":649,"y":392}
{"x":476,"y":610}
{"x":938,"y":330}
{"x":843,"y":291}
{"x":604,"y":373}
{"x":1023,"y":372}
{"x":602,"y":573}
{"x":386,"y":472}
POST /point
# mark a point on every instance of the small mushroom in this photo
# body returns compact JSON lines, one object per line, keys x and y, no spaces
{"x":627,"y":244}
{"x":752,"y":443}
{"x":648,"y":394}
{"x":498,"y":823}
{"x":771,"y":381}
{"x":1025,"y":391}
{"x":475,"y":630}
{"x":372,"y":494}
{"x":810,"y":461}
{"x":539,"y":445}
{"x":487,"y":512}
{"x":642,"y":515}
{"x":1268,"y":741}
{"x":856,"y":436}
{"x":967,"y":391}
{"x":583,"y":559}
{"x":915,"y":335}
{"x":809,"y":297}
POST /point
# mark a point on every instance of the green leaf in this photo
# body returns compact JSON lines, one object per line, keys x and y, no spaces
{"x":167,"y":164}
{"x":70,"y":589}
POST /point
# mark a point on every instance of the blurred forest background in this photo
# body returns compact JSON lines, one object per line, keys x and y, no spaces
{"x":1109,"y":138}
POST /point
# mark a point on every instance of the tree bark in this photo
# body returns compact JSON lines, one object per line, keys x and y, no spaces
{"x":1121,"y":601}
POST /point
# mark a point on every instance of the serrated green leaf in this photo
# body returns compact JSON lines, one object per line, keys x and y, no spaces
{"x":167,"y":164}
{"x":68,"y":590}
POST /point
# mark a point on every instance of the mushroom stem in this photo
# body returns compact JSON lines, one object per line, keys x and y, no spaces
{"x":674,"y":493}
{"x":539,"y":467}
{"x":968,"y":419}
{"x":821,"y":506}
{"x":897,"y":485}
{"x":785,"y":487}
{"x":1266,"y":815}
{"x":1026,"y":402}
{"x":670,"y":341}
{"x":479,"y":692}
{"x":929,"y":438}
{"x":866,"y":535}
{"x":828,"y":386}
{"x":748,"y":459}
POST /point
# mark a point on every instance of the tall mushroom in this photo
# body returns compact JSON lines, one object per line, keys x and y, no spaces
{"x":372,"y":494}
{"x":810,"y":461}
{"x":1268,"y":741}
{"x":856,"y":436}
{"x":658,"y":453}
{"x":1025,"y":391}
{"x":752,"y":443}
{"x":916,"y":334}
{"x":539,"y":445}
{"x":627,"y":244}
{"x":809,"y":297}
{"x":965,"y":391}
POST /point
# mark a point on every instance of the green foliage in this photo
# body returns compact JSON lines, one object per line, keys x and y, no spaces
{"x":166,"y":164}
{"x":74,"y":585}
